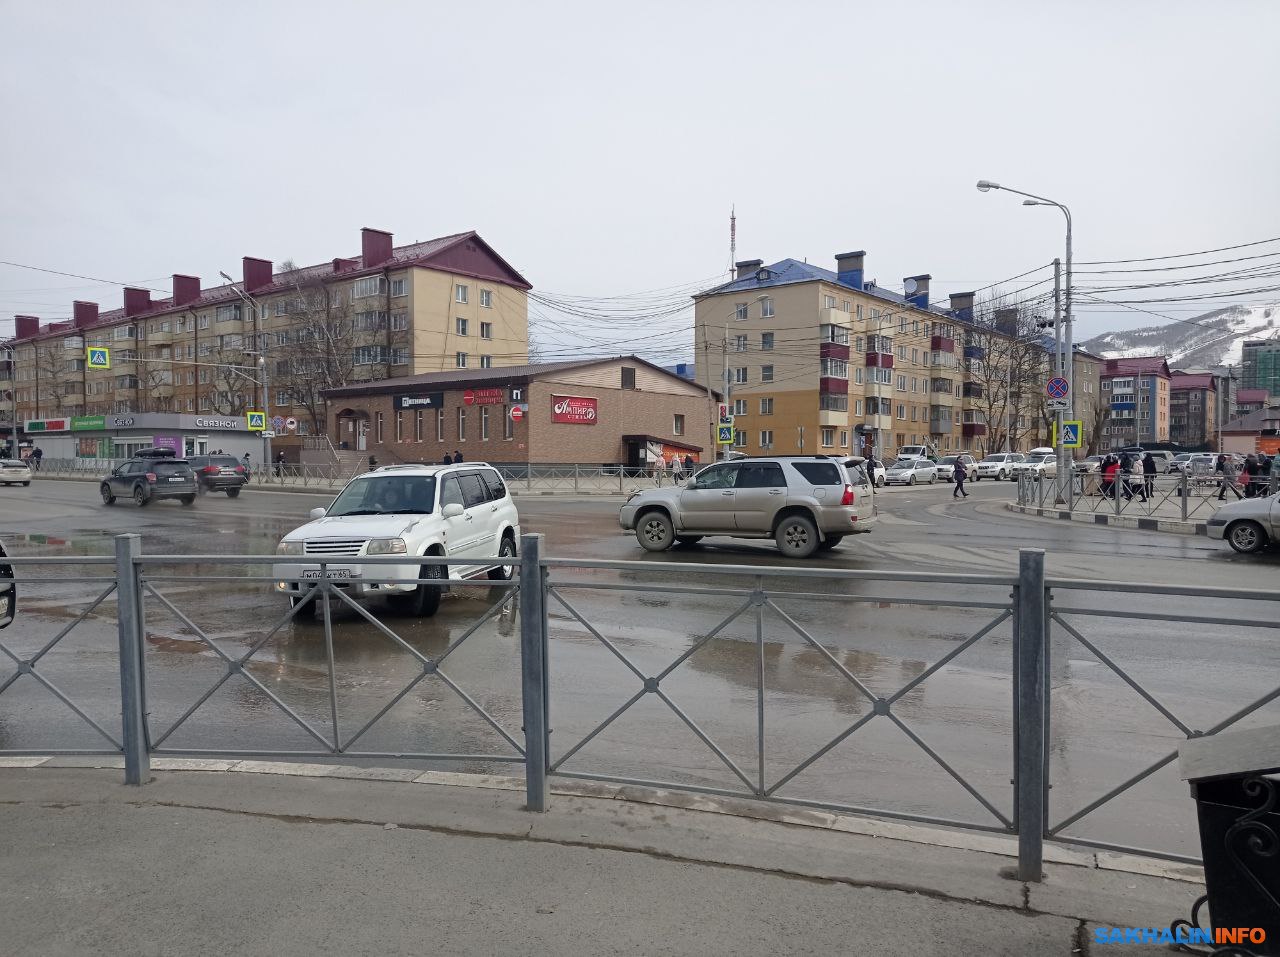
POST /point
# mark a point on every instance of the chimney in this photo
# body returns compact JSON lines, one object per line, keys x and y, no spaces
{"x":136,"y":301}
{"x":917,"y":288}
{"x":849,"y":268}
{"x":185,"y":289}
{"x":1007,"y":322}
{"x":375,"y":246}
{"x":84,"y":314}
{"x":747,"y":268}
{"x":257,"y":273}
{"x":962,"y":306}
{"x":342,"y":265}
{"x":24,"y":327}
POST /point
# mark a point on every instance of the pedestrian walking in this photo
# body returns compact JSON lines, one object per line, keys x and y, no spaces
{"x":1249,"y":475}
{"x":457,"y":457}
{"x":961,"y":473}
{"x":1226,"y":468}
{"x":447,"y":460}
{"x":280,"y":464}
{"x":688,"y":463}
{"x":37,"y":454}
{"x":1149,"y":470}
{"x":677,"y":467}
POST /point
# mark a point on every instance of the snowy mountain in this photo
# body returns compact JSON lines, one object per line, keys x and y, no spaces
{"x":1216,"y":338}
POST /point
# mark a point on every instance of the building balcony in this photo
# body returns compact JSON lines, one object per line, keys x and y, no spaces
{"x":973,"y":429}
{"x":942,"y":399}
{"x":882,"y":360}
{"x":881,"y":423}
{"x":941,"y":344}
{"x":835,"y":317}
{"x":833,"y":350}
{"x":833,"y":386}
{"x":975,"y":352}
{"x":837,"y":419}
{"x":971,"y":390}
{"x":159,"y":338}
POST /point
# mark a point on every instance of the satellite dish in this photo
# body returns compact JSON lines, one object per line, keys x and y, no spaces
{"x":909,"y":285}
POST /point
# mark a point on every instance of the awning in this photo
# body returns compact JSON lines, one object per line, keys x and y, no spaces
{"x":662,"y":441}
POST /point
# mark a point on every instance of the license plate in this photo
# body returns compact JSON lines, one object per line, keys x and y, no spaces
{"x":314,"y":574}
{"x":177,"y":479}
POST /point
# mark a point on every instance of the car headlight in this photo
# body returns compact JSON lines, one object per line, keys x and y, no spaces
{"x":386,"y":546}
{"x":289,"y":548}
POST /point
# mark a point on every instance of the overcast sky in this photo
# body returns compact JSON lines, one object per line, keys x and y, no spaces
{"x":599,"y":147}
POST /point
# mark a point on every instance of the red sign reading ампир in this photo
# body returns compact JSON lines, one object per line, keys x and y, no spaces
{"x":573,"y":409}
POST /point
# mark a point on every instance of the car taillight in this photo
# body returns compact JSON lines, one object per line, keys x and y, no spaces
{"x":209,"y":469}
{"x":240,"y":468}
{"x":847,"y":498}
{"x":151,"y":477}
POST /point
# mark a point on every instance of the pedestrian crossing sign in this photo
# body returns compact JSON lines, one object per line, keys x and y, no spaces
{"x":1072,"y":434}
{"x":257,"y":421}
{"x":724,"y":435}
{"x":98,"y":358}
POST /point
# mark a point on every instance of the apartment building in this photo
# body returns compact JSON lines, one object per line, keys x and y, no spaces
{"x":444,"y":304}
{"x":815,"y":360}
{"x":1137,"y":393}
{"x":1252,"y":400}
{"x":1089,"y":405}
{"x":1260,"y":366}
{"x":1193,"y":410}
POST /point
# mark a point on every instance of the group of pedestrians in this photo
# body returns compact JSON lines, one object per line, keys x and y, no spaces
{"x":1248,"y":479}
{"x":1119,"y":475}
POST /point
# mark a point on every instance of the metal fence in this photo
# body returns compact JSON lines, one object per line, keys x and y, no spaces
{"x":744,"y":612}
{"x":1182,"y":497}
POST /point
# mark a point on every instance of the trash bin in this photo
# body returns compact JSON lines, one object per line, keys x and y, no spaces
{"x":1234,"y":783}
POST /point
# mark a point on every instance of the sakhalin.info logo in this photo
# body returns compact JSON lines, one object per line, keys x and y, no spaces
{"x":1179,"y":935}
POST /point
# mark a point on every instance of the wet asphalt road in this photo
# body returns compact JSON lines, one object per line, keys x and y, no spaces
{"x":1102,"y":731}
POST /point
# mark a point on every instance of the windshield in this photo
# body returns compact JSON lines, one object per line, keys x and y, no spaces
{"x":994,"y":458}
{"x":949,"y":460}
{"x":904,"y":464}
{"x":386,"y":495}
{"x":1182,"y":457}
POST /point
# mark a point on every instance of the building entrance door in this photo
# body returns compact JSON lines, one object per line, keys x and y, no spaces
{"x":362,"y":435}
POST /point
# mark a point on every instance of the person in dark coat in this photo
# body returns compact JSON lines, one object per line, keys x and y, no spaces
{"x":447,"y":460}
{"x":960,"y":472}
{"x":1251,"y":472}
{"x":457,"y":458}
{"x":688,"y":464}
{"x":1149,"y":474}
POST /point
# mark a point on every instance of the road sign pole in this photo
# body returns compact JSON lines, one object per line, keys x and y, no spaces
{"x":1060,"y":450}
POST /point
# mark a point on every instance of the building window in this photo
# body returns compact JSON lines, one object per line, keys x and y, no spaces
{"x":857,"y":376}
{"x":460,"y":326}
{"x":460,"y":360}
{"x":484,"y":423}
{"x":828,"y":302}
{"x":902,"y":411}
{"x":766,"y":373}
{"x":829,"y":332}
{"x":486,"y":362}
{"x":460,"y":293}
{"x":399,"y":321}
{"x":739,"y":406}
{"x":828,"y":436}
{"x":844,"y":438}
{"x":367,"y":355}
{"x":204,"y":321}
{"x":486,"y":330}
{"x":486,"y":298}
{"x":229,"y":313}
{"x":417,"y":426}
{"x":739,"y":438}
{"x":913,"y":413}
{"x":857,"y":346}
{"x":915,"y":356}
{"x":377,"y":423}
{"x":902,"y":383}
{"x":857,"y":407}
{"x":399,"y":426}
{"x":508,"y":426}
{"x":372,"y":321}
{"x":462,"y":423}
{"x":740,"y":375}
{"x":130,"y":332}
{"x":397,"y":287}
{"x":766,"y":308}
{"x":439,"y":425}
{"x":628,"y":377}
{"x":740,"y":311}
{"x":739,"y":343}
{"x":282,"y":397}
{"x":400,"y":356}
{"x":859,"y":312}
{"x":370,"y":286}
{"x":766,"y":342}
{"x":766,"y":439}
{"x":835,"y":368}
{"x":677,"y":424}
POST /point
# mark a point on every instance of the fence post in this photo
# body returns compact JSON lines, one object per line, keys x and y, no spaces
{"x":533,"y":671}
{"x":1185,"y":484}
{"x":137,"y":760}
{"x":575,"y":477}
{"x":1030,"y":708}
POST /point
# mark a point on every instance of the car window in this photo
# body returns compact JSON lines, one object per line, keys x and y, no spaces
{"x":761,"y":475}
{"x":819,"y":473}
{"x":857,"y":474}
{"x":450,"y":492}
{"x":474,"y":491}
{"x":497,"y":488}
{"x":137,"y":468}
{"x":717,"y":476}
{"x":171,"y":468}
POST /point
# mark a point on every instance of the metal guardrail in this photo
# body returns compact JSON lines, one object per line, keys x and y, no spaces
{"x":1028,"y":604}
{"x":1178,"y":497}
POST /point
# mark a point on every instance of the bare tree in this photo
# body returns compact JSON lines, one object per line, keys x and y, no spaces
{"x":1008,"y":379}
{"x":57,"y":375}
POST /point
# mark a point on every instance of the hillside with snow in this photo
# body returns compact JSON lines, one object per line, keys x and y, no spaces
{"x":1216,"y":338}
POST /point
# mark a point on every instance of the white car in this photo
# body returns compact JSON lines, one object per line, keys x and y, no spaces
{"x":449,"y":511}
{"x":947,"y":467}
{"x":913,"y":452}
{"x":998,"y":465}
{"x":1092,"y":463}
{"x":911,"y":472}
{"x":14,"y":470}
{"x":1179,"y":463}
{"x":1247,"y":525}
{"x":1041,"y":466}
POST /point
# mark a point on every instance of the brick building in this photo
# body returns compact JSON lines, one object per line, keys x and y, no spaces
{"x":1193,"y":410}
{"x":616,"y":411}
{"x":1137,"y":391}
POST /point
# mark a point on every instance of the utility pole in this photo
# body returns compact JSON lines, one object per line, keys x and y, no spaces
{"x":728,"y":383}
{"x":1059,"y":359}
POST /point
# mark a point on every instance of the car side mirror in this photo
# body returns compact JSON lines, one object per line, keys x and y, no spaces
{"x":692,"y":483}
{"x":452,"y":510}
{"x":318,"y":512}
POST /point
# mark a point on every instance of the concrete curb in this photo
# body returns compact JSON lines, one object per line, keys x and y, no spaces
{"x":1144,"y":523}
{"x":985,"y":843}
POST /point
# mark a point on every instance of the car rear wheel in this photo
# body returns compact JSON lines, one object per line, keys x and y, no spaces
{"x":796,"y":537}
{"x":504,"y":573}
{"x":655,"y":532}
{"x":140,"y":496}
{"x":25,"y":484}
{"x":232,"y":492}
{"x":880,"y":482}
{"x":107,"y":497}
{"x":1246,"y":537}
{"x":830,"y":542}
{"x":186,"y":499}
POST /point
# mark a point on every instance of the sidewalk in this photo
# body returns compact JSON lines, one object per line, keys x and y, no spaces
{"x":316,"y":859}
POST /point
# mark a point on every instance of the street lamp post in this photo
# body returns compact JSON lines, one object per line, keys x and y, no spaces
{"x":1066,"y":354}
{"x":259,"y":323}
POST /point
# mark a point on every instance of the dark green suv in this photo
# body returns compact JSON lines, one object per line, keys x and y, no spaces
{"x":150,"y":475}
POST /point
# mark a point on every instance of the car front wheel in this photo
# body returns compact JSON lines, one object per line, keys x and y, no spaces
{"x":655,"y":532}
{"x":797,"y":537}
{"x":1246,"y":537}
{"x":423,"y":601}
{"x":186,"y":499}
{"x":107,"y":497}
{"x":1000,"y":476}
{"x":504,"y":573}
{"x":911,"y":480}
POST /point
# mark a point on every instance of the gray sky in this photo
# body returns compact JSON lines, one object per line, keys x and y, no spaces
{"x":599,"y":146}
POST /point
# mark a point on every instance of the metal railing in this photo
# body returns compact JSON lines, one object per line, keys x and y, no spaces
{"x":1180,"y":497}
{"x":565,"y":605}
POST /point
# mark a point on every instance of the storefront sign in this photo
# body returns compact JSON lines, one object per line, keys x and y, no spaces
{"x":424,"y":400}
{"x":203,"y":422}
{"x":484,"y":396}
{"x":573,"y":409}
{"x":120,"y":421}
{"x":46,"y":425}
{"x":88,"y":423}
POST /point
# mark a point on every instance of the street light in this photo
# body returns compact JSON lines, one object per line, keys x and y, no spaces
{"x":1066,"y":355}
{"x":260,"y":321}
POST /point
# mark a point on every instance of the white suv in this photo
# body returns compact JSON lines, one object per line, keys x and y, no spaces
{"x":450,"y":511}
{"x":998,"y":465}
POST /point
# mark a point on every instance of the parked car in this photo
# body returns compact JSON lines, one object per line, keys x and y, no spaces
{"x":805,"y":503}
{"x":151,"y":475}
{"x":877,"y":472}
{"x":1042,"y":450}
{"x":1041,"y":466}
{"x":947,"y":467}
{"x":8,"y":592}
{"x":911,"y":472}
{"x":1248,"y":525}
{"x":14,"y":470}
{"x":1163,"y":459}
{"x":448,"y":511}
{"x":915,"y":452}
{"x":1090,"y":463}
{"x":1179,"y":462}
{"x":998,"y":465}
{"x":220,"y":473}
